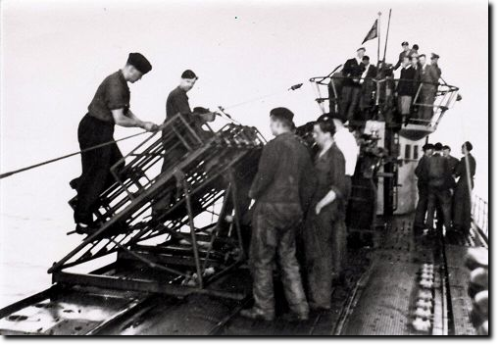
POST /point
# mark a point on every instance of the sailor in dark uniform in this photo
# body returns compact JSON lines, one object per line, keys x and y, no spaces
{"x":405,"y":53}
{"x":434,"y":63}
{"x":110,"y":106}
{"x":421,"y":171}
{"x":177,"y":101}
{"x":368,"y":87}
{"x":351,"y":89}
{"x":465,"y":171}
{"x":453,"y":161}
{"x":284,"y":167}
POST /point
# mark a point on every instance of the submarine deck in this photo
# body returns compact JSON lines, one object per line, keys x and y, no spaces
{"x":379,"y":297}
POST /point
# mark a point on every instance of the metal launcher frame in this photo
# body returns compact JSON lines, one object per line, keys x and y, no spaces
{"x":163,"y":239}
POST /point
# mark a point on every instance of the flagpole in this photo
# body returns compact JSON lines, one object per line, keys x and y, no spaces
{"x":387,"y":34}
{"x":378,"y":39}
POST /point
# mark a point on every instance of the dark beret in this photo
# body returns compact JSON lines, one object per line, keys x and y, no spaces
{"x":438,"y":146}
{"x":189,"y":74}
{"x":446,"y":147}
{"x":282,"y":114}
{"x":415,"y":46}
{"x":139,"y":61}
{"x":468,"y":146}
{"x":427,"y":147}
{"x":201,"y":110}
{"x":434,"y":56}
{"x":405,"y":43}
{"x":336,"y":116}
{"x":326,"y":123}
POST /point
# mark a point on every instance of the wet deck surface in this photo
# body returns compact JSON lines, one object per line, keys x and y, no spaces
{"x":378,"y":298}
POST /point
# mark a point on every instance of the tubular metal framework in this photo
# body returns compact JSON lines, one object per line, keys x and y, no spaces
{"x":380,"y":96}
{"x":149,"y":215}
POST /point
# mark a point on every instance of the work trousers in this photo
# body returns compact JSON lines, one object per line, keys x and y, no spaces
{"x":439,"y":198}
{"x":274,"y":238}
{"x":350,"y":101}
{"x":426,"y":96}
{"x":96,"y":164}
{"x":421,"y":210}
{"x":462,"y":204}
{"x":404,"y":105}
{"x":325,"y":249}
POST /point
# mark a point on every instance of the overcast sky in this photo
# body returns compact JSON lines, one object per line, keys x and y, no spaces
{"x":55,"y":54}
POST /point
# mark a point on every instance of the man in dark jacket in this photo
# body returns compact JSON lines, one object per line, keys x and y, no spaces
{"x":351,"y":87}
{"x":421,"y":171}
{"x":368,"y":87}
{"x":285,"y":165}
{"x":434,"y":63}
{"x":453,"y":164}
{"x":406,"y":88}
{"x":452,"y":161}
{"x":465,"y":171}
{"x":440,"y":185}
{"x":405,"y":53}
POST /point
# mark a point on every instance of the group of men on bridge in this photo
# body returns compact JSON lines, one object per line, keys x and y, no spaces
{"x":365,"y":86}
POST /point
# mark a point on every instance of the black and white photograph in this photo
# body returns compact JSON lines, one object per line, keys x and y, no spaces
{"x":277,"y":168}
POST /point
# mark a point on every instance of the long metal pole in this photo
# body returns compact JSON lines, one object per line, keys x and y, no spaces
{"x":387,"y":35}
{"x":378,"y":40}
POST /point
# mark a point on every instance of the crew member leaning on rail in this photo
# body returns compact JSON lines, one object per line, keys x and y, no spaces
{"x":110,"y":106}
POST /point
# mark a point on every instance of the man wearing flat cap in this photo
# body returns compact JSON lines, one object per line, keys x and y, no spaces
{"x":351,"y":86}
{"x":421,"y":171}
{"x":285,"y":170}
{"x":109,"y":107}
{"x":406,"y":52}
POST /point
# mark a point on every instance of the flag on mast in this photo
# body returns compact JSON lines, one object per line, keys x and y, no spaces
{"x":373,"y":33}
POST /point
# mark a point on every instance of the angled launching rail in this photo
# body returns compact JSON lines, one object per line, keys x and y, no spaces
{"x":162,"y":187}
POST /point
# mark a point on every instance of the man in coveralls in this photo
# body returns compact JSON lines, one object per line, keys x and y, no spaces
{"x":284,"y":169}
{"x":440,"y":184}
{"x":110,"y":106}
{"x":325,"y":235}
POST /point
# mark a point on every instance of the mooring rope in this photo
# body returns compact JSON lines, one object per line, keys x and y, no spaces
{"x":37,"y":165}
